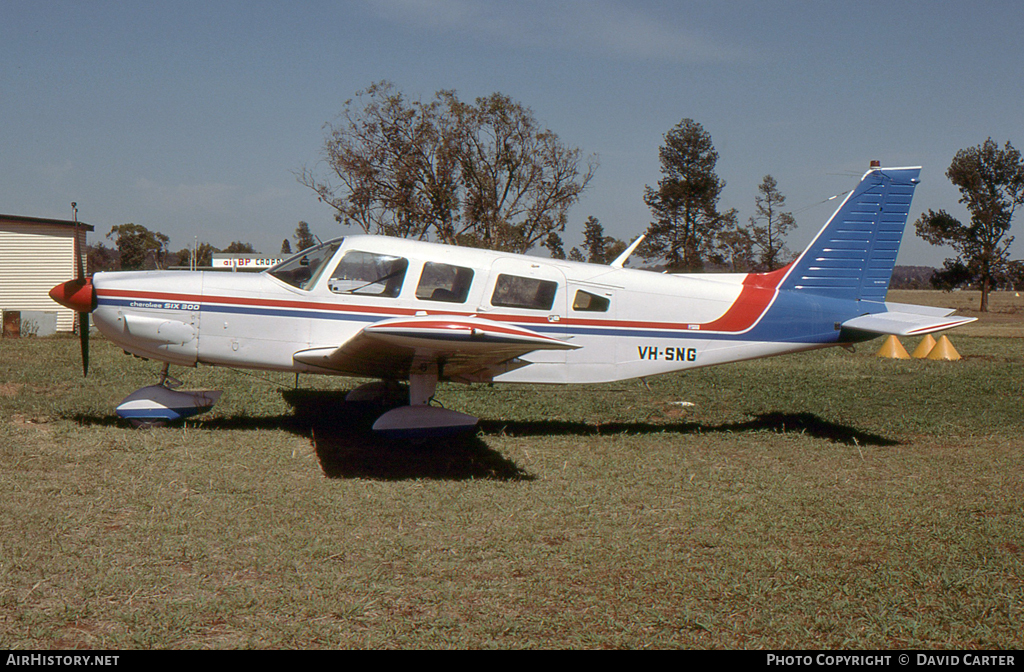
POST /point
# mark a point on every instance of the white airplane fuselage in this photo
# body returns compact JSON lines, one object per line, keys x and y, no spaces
{"x":624,"y":323}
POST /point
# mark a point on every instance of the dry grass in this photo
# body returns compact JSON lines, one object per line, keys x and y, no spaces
{"x":823,"y":500}
{"x":1004,"y":319}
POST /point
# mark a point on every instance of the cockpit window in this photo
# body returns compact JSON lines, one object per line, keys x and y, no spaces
{"x":444,"y":282}
{"x":368,"y":274}
{"x":304,"y":268}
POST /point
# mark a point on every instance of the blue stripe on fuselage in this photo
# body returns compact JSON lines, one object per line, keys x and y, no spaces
{"x":793,"y":317}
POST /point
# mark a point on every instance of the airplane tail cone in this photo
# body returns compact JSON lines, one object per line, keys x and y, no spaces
{"x":924,"y":347}
{"x":893,"y":349}
{"x":944,"y":350}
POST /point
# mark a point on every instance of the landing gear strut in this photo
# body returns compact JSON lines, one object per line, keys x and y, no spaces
{"x":419,"y":420}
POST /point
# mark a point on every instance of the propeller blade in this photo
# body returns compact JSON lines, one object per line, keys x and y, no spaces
{"x":79,"y":296}
{"x":79,"y":266}
{"x":83,"y":316}
{"x":83,"y":336}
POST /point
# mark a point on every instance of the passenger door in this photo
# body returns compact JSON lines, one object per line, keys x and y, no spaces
{"x":530,"y":294}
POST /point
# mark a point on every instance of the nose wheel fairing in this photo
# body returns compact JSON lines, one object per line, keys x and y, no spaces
{"x":163,"y":402}
{"x":158,"y":403}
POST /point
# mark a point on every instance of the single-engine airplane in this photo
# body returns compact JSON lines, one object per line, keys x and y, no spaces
{"x":403,"y":310}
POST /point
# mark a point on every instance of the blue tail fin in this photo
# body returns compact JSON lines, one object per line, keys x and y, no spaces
{"x":853,"y":256}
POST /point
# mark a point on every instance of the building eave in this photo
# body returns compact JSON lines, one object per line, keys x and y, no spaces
{"x":22,"y":219}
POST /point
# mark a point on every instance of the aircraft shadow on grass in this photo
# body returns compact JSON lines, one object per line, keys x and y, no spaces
{"x":347,"y":447}
{"x":780,"y":423}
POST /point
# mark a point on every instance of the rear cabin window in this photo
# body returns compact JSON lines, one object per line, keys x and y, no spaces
{"x":368,"y":274}
{"x":514,"y":291}
{"x":444,"y":282}
{"x":591,"y":303}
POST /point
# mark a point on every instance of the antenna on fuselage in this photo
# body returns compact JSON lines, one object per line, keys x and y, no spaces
{"x":620,"y":260}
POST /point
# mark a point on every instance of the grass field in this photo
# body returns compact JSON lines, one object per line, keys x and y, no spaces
{"x":824,"y":500}
{"x":1005,"y":317}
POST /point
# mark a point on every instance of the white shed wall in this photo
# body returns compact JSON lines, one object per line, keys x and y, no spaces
{"x":33,"y":259}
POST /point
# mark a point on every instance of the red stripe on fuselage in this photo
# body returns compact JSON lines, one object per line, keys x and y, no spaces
{"x":759,"y":289}
{"x":255,"y":303}
{"x":452,"y":325}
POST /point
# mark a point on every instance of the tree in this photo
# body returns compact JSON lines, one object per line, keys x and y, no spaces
{"x":613,"y":248}
{"x":203,"y":253}
{"x":286,"y":247}
{"x":518,"y":180}
{"x":554,"y":245}
{"x":1014,"y":277}
{"x":483,"y":174}
{"x":685,"y":204}
{"x":238,"y":247}
{"x":138,"y":246}
{"x":737,"y":246}
{"x":597,"y":247}
{"x":769,"y":226}
{"x":594,"y":240}
{"x":100,"y":258}
{"x":991,"y":184}
{"x":304,"y":238}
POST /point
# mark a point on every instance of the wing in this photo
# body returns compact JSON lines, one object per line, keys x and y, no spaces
{"x":907,"y":320}
{"x":469,"y":349}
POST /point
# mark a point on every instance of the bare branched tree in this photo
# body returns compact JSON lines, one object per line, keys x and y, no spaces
{"x":483,"y":175}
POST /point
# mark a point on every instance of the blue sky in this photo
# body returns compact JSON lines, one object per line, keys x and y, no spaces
{"x":192,"y":118}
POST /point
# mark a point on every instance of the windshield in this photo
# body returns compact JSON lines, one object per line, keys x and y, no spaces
{"x":304,"y":268}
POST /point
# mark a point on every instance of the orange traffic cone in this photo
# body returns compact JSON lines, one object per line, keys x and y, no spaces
{"x":944,"y":350}
{"x":893,"y":349}
{"x":924,"y":347}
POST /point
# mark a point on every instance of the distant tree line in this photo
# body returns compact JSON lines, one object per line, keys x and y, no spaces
{"x":137,"y":248}
{"x":487,"y":174}
{"x":691,"y":234}
{"x":912,"y":277}
{"x":926,"y":277}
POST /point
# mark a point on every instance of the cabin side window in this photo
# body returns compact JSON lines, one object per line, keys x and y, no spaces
{"x":368,"y":274}
{"x":591,"y":303}
{"x":444,"y":282}
{"x":514,"y":291}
